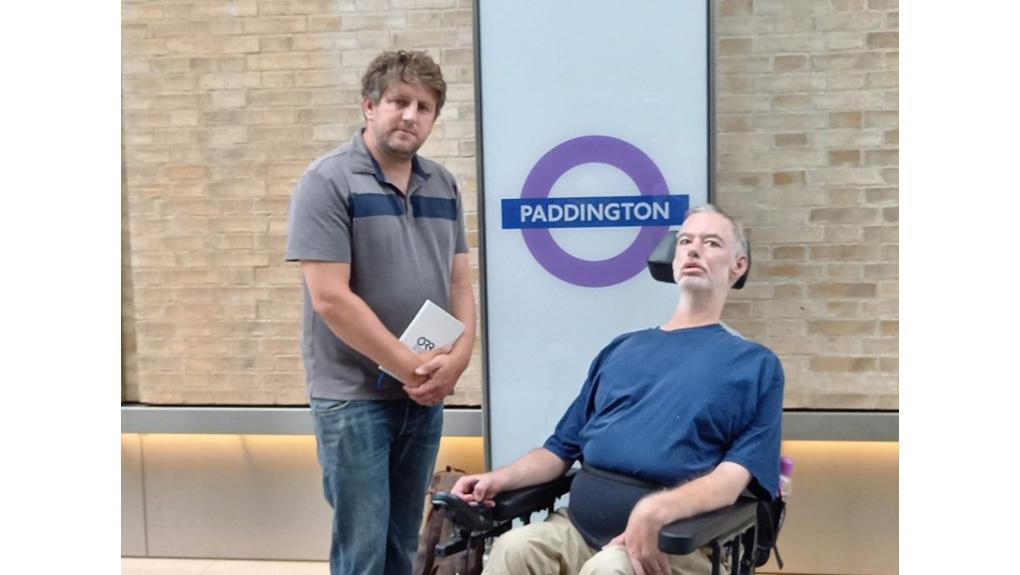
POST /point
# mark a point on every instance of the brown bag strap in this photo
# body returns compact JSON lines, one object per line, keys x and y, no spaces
{"x":432,"y":532}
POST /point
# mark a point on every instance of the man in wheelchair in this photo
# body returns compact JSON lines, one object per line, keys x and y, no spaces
{"x":671,"y":422}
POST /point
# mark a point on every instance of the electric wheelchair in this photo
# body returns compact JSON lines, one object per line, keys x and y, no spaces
{"x":740,"y":536}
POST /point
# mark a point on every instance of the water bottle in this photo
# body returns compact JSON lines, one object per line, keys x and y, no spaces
{"x":785,"y":482}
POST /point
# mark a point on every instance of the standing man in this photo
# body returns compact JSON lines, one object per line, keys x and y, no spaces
{"x":378,"y":230}
{"x":672,"y":421}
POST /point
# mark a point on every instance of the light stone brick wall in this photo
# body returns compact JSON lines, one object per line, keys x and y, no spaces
{"x":224,"y":105}
{"x":807,"y":147}
{"x":226,"y":102}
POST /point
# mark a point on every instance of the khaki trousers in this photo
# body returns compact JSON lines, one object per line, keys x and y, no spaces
{"x":555,"y":547}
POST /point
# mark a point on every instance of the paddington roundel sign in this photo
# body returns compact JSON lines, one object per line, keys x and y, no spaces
{"x":535,"y":213}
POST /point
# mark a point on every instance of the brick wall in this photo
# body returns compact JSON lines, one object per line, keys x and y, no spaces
{"x":807,"y":146}
{"x":226,"y":102}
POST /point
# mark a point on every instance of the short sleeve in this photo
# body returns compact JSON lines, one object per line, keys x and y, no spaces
{"x":319,"y":226}
{"x":756,"y":448}
{"x":566,"y":440}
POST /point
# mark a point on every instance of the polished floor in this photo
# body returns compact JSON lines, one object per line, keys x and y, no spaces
{"x":149,"y":566}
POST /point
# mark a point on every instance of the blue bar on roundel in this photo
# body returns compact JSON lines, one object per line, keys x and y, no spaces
{"x":594,"y":211}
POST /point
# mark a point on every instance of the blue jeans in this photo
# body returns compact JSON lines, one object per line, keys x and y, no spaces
{"x":377,"y":459}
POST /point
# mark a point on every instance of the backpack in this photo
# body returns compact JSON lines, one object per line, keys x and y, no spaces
{"x":771,"y":514}
{"x":436,"y":529}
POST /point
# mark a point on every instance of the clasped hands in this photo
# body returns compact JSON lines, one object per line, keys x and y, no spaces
{"x":435,"y":376}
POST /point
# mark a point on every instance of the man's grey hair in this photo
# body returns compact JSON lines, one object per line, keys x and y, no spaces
{"x":738,"y":230}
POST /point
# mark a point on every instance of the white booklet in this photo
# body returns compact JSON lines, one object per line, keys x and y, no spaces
{"x":431,"y":328}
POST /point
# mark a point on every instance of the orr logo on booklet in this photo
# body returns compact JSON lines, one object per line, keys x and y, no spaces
{"x":430,"y":328}
{"x":424,"y":344}
{"x":535,"y":213}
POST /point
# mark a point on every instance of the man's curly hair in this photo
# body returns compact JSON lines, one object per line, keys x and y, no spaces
{"x":406,"y":66}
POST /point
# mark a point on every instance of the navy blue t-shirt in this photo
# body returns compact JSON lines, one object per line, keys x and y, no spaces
{"x":669,"y":406}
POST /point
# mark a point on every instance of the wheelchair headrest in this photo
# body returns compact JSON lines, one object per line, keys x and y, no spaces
{"x":660,"y":262}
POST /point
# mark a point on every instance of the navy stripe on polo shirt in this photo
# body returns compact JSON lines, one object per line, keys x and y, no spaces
{"x":426,"y":207}
{"x":367,"y":205}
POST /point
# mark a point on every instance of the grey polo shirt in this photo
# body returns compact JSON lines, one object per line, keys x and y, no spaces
{"x":400,"y":250}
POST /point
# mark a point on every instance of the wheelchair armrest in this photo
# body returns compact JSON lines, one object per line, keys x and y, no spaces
{"x":509,"y":504}
{"x":519,"y":502}
{"x":474,"y":518}
{"x":688,"y":535}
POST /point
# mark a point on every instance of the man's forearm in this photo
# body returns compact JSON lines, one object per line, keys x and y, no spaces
{"x":354,"y":322}
{"x":537,"y":466}
{"x":718,"y":489}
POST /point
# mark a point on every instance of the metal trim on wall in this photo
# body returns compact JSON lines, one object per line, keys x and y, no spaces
{"x":710,"y":68}
{"x":841,"y":425}
{"x":457,"y":422}
{"x":466,"y":422}
{"x":483,"y":300}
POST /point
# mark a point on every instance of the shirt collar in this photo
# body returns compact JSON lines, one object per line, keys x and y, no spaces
{"x":365,"y":163}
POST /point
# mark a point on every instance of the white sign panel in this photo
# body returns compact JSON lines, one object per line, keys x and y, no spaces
{"x":595,"y":139}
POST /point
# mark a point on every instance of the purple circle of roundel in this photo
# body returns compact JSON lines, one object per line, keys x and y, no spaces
{"x":586,"y":150}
